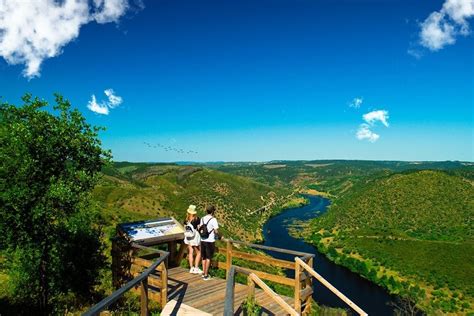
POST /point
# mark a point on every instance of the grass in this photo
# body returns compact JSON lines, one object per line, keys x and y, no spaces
{"x":425,"y":260}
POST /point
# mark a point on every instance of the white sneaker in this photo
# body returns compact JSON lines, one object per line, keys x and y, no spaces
{"x":197,"y":270}
{"x":192,"y":270}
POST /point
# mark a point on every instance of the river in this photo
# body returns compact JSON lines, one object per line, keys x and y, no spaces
{"x":372,"y":298}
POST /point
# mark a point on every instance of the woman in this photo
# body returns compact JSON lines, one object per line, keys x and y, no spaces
{"x":193,"y":239}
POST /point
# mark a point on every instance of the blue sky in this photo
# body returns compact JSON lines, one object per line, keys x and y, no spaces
{"x":263,"y":80}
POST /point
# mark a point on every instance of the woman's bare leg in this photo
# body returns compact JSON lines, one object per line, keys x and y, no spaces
{"x":190,"y":256}
{"x":198,"y":255}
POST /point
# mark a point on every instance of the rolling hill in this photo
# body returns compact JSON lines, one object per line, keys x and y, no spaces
{"x":135,"y":191}
{"x":411,"y":232}
{"x":404,"y":225}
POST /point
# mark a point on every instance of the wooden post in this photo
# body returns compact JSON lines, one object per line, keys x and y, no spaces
{"x":182,"y":250}
{"x":229,"y":293}
{"x":172,"y":250}
{"x":297,"y":288}
{"x":144,"y":297}
{"x":309,"y":283}
{"x":251,"y":288}
{"x":328,"y":285}
{"x":164,"y":284}
{"x":277,"y":298}
{"x":228,"y":257}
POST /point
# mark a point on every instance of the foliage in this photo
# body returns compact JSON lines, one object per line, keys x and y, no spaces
{"x":250,"y":307}
{"x":318,"y":310}
{"x":296,"y":202}
{"x":335,"y":177}
{"x":50,"y":160}
{"x":415,"y":224}
{"x":142,"y":191}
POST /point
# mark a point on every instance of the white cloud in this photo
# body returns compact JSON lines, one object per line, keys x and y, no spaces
{"x":459,"y":11}
{"x":99,"y":108}
{"x":442,"y":27}
{"x":356,"y":102}
{"x":364,"y":132}
{"x":32,"y":31}
{"x":104,"y":107}
{"x":374,"y":116}
{"x":109,"y":10}
{"x":436,"y":32}
{"x":114,"y":100}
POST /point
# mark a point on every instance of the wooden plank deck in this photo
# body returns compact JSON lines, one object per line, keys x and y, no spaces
{"x":187,"y":289}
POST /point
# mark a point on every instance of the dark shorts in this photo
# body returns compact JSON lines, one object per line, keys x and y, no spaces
{"x":207,"y":249}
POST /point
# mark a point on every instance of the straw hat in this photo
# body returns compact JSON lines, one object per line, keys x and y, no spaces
{"x":191,"y":209}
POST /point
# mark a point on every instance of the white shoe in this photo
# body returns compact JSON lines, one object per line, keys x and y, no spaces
{"x":197,"y":270}
{"x":192,"y":270}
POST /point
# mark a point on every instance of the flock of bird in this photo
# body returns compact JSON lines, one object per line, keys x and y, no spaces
{"x":169,"y":148}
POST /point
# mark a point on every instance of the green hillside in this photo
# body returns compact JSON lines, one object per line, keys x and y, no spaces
{"x":134,"y":191}
{"x":412,"y":232}
{"x":334,"y":177}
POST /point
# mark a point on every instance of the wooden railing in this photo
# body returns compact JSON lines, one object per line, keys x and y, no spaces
{"x":302,"y":282}
{"x":252,"y":280}
{"x":141,"y":280}
{"x":318,"y":277}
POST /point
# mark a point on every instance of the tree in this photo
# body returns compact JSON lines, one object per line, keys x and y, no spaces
{"x":49,"y":162}
{"x":407,"y":301}
{"x":404,"y":306}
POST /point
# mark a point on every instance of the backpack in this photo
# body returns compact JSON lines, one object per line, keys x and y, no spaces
{"x":203,"y":231}
{"x":189,"y":231}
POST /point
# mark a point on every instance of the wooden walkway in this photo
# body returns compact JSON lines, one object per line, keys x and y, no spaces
{"x":184,"y":294}
{"x":186,"y":289}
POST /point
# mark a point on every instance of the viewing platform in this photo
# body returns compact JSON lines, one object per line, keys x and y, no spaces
{"x":208,"y":297}
{"x":182,"y":293}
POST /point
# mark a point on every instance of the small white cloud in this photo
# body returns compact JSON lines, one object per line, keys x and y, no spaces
{"x":415,"y":53}
{"x":442,"y":27}
{"x":114,"y":100}
{"x":356,"y":102}
{"x":99,"y":108}
{"x":103,"y":107}
{"x":109,"y":10}
{"x":374,"y":116}
{"x":32,"y":31}
{"x":436,"y":32}
{"x":364,"y":132}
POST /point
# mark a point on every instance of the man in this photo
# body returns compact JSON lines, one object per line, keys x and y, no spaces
{"x":208,"y":246}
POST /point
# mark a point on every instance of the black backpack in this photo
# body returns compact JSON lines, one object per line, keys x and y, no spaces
{"x":203,"y":231}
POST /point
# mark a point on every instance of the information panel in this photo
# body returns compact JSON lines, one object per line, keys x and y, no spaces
{"x":153,"y":231}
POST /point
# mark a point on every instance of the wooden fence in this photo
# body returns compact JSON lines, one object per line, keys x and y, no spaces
{"x":302,"y":282}
{"x":143,"y":281}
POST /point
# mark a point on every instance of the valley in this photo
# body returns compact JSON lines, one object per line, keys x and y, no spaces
{"x":390,"y":222}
